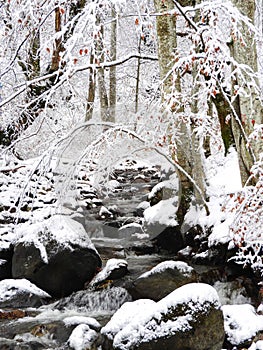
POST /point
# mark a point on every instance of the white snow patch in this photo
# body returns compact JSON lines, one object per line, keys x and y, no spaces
{"x":220,"y":233}
{"x":169,"y":264}
{"x":126,"y":314}
{"x":143,"y":205}
{"x":163,"y":212}
{"x":76,"y":320}
{"x":256,"y":346}
{"x":241,"y":322}
{"x":82,"y":337}
{"x":2,"y":262}
{"x":11,"y":287}
{"x":169,"y":187}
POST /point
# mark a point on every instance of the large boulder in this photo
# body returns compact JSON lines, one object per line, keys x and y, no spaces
{"x":56,"y":254}
{"x":188,"y":318}
{"x":162,"y":280}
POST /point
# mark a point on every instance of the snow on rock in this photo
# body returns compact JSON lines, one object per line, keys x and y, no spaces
{"x":168,"y":188}
{"x":181,"y":266}
{"x":162,"y":280}
{"x":20,"y":293}
{"x":164,"y":200}
{"x":56,"y":254}
{"x":76,"y":320}
{"x":162,"y":212}
{"x":114,"y":269}
{"x":176,"y":321}
{"x":241,"y":323}
{"x":60,"y":228}
{"x":83,"y":338}
{"x":256,"y":346}
{"x":126,"y":314}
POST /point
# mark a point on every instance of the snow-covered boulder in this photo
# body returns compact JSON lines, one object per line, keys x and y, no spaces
{"x":17,"y":293}
{"x":56,"y":254}
{"x":242,"y":324}
{"x":162,"y":280}
{"x":83,"y":338}
{"x":160,"y":218}
{"x":188,"y":318}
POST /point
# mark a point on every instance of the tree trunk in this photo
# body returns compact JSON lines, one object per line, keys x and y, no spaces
{"x":248,"y":108}
{"x":167,"y":43}
{"x":113,"y":78}
{"x":91,"y":91}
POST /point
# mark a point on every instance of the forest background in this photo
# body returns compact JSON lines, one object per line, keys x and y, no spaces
{"x":97,"y":81}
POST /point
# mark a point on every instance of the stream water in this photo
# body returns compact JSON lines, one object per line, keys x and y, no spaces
{"x":107,"y":223}
{"x":44,"y":327}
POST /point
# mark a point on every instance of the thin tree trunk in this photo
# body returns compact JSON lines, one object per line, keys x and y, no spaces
{"x":113,"y":78}
{"x":58,"y":45}
{"x":167,"y":43}
{"x":137,"y":87}
{"x":91,"y":92}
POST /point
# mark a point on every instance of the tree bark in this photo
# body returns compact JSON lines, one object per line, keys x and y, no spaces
{"x":248,"y":108}
{"x":187,"y":152}
{"x":113,"y":54}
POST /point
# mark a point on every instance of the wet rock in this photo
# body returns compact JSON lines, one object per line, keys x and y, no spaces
{"x":162,"y":280}
{"x":5,"y":269}
{"x":188,"y":318}
{"x":20,"y":293}
{"x":6,"y":254}
{"x":57,"y":256}
{"x":169,"y":239}
{"x":10,"y":344}
{"x":109,"y":248}
{"x":216,"y":255}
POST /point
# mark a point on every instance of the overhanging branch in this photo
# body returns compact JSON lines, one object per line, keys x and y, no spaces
{"x":24,"y":86}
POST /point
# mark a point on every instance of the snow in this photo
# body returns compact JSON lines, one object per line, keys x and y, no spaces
{"x":256,"y":346}
{"x":82,"y":337}
{"x":126,"y":314}
{"x":2,"y":262}
{"x":61,"y":228}
{"x":241,"y":322}
{"x":169,"y":186}
{"x":111,"y":265}
{"x":11,"y":287}
{"x":133,"y":323}
{"x":163,"y":212}
{"x":76,"y":320}
{"x":179,"y":265}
